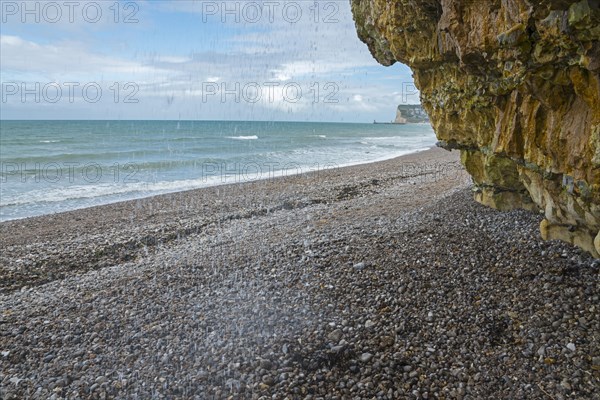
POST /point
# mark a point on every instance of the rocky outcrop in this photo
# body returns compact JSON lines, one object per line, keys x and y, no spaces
{"x":515,"y":85}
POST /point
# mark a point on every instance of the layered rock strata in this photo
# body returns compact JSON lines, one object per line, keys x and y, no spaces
{"x":515,"y":86}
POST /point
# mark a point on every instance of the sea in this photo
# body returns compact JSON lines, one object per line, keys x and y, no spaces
{"x":56,"y":166}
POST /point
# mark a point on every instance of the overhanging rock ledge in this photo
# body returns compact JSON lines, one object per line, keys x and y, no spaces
{"x":515,"y":85}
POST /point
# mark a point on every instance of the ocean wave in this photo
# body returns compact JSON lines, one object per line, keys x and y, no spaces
{"x":173,"y":161}
{"x":385,"y":138}
{"x":253,"y":137}
{"x":110,"y":156}
{"x":130,"y":190}
{"x":57,"y":195}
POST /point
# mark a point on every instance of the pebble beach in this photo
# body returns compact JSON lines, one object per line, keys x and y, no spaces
{"x":376,"y":281}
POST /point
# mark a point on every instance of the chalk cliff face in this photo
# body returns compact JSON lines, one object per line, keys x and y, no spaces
{"x":513,"y":84}
{"x":410,"y":114}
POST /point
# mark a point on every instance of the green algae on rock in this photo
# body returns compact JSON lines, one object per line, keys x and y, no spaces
{"x":515,"y":86}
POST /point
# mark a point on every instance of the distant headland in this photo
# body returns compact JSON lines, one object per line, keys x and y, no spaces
{"x":408,"y":114}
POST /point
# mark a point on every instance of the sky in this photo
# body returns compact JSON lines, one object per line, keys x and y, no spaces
{"x":192,"y":60}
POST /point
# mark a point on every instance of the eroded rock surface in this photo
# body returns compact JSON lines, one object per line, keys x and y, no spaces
{"x":515,"y":85}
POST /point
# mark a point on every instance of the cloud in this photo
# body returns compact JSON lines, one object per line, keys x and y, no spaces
{"x":69,"y":61}
{"x":71,"y":16}
{"x":188,"y":50}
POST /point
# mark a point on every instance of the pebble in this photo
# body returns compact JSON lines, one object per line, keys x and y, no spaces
{"x":335,"y":336}
{"x":337,"y":349}
{"x":359,"y":266}
{"x":229,"y":311}
{"x":541,"y":351}
{"x":268,"y":380}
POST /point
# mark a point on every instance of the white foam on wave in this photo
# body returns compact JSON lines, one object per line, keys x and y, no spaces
{"x":123,"y":191}
{"x":300,"y":160}
{"x":76,"y":197}
{"x":253,"y":137}
{"x":384,"y":137}
{"x":79,"y":192}
{"x":385,"y":157}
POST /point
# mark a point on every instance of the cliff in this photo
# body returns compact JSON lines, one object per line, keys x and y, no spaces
{"x":514,"y":85}
{"x":410,"y":114}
